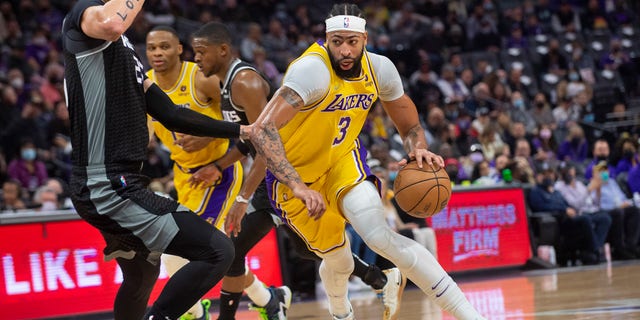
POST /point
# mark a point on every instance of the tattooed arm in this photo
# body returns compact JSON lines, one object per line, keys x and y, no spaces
{"x":111,"y":20}
{"x":266,"y":139}
{"x":404,"y":114}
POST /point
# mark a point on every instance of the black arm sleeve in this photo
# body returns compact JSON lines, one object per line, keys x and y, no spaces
{"x":183,"y":120}
{"x":246,"y":148}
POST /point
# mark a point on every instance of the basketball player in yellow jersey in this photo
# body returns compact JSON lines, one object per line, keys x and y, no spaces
{"x":318,"y":177}
{"x":189,"y":88}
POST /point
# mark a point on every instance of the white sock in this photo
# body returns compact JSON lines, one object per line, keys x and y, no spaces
{"x":258,"y":293}
{"x":335,"y":269}
{"x":363,"y":208}
{"x":172,"y":264}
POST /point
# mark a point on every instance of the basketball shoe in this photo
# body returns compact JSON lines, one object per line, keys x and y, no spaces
{"x":206,"y":304}
{"x":276,"y":308}
{"x":392,"y":293}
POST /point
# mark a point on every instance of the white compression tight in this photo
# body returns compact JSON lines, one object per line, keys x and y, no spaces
{"x":363,"y":208}
{"x":335,"y":269}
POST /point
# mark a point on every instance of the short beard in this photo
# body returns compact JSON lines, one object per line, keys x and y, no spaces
{"x":352,"y":73}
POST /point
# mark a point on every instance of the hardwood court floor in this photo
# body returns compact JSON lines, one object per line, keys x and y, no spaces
{"x":606,"y":291}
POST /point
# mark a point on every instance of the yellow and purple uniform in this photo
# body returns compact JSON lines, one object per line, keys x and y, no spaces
{"x":329,"y":168}
{"x":212,"y":203}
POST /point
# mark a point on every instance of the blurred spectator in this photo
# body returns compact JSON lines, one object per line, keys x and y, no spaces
{"x":436,"y":122}
{"x":9,"y":114}
{"x":490,"y":141}
{"x":566,"y":20}
{"x":576,"y":230}
{"x":251,"y":41}
{"x":522,"y":171}
{"x":516,"y":132}
{"x":545,"y":146}
{"x":434,"y":42}
{"x":554,"y":61}
{"x":574,"y":147}
{"x":482,"y":174}
{"x":625,"y":227}
{"x":533,"y":27}
{"x":266,"y":67}
{"x":565,"y":113}
{"x":578,"y":196}
{"x":600,"y":153}
{"x":59,"y":187}
{"x":455,"y":39}
{"x":541,"y":112}
{"x":45,"y":199}
{"x":593,"y":17}
{"x":277,"y":44}
{"x":406,"y":20}
{"x":517,"y":39}
{"x":12,"y":196}
{"x":453,"y":168}
{"x":519,"y":111}
{"x":622,"y":15}
{"x":544,"y":13}
{"x":523,"y":150}
{"x":452,"y":87}
{"x":28,"y":170}
{"x":422,"y":85}
{"x":51,"y":88}
{"x":486,"y":38}
{"x":626,"y":155}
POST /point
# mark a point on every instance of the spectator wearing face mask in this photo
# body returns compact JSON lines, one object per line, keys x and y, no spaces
{"x":577,"y":195}
{"x":600,"y":153}
{"x":625,"y":216}
{"x":45,"y":199}
{"x":28,"y":170}
{"x":575,"y":229}
{"x":628,"y":155}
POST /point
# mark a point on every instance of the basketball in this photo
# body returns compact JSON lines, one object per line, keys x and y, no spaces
{"x":422,"y":192}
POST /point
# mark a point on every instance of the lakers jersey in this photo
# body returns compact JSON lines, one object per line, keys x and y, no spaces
{"x":183,"y":94}
{"x":338,"y":116}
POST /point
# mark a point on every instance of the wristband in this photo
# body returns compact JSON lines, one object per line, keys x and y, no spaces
{"x":217,"y":166}
{"x":241,"y":199}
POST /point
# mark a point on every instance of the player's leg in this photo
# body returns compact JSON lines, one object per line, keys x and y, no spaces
{"x":138,"y":278}
{"x":209,"y":252}
{"x":255,"y":226}
{"x":335,"y":269}
{"x":212,"y":205}
{"x":369,"y":273}
{"x":363,"y":208}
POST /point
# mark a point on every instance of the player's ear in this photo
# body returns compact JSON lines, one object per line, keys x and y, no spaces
{"x":225,"y":49}
{"x":180,"y":49}
{"x":366,"y":36}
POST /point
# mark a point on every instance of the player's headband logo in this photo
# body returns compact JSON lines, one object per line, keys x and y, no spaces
{"x":346,"y":23}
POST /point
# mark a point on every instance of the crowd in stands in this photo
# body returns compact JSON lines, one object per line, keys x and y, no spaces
{"x":509,"y":91}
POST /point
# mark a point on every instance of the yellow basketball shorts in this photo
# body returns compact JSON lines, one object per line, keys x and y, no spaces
{"x":328,"y":232}
{"x":212,"y":203}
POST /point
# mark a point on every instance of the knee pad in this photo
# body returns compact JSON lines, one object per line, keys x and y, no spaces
{"x":339,"y":260}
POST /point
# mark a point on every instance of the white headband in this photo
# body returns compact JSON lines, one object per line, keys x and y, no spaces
{"x":345,"y":23}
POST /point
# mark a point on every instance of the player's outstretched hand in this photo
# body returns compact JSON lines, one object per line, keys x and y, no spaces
{"x":423,"y":156}
{"x":192,"y":143}
{"x":233,"y":222}
{"x":312,"y":199}
{"x":205,"y":177}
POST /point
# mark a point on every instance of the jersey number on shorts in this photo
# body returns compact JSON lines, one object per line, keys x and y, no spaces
{"x":343,"y":125}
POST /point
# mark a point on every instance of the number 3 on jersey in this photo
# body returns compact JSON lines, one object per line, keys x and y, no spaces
{"x":343,"y":125}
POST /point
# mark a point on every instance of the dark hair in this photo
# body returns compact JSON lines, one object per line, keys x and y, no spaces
{"x":347,"y":9}
{"x":166,"y":29}
{"x":214,"y":32}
